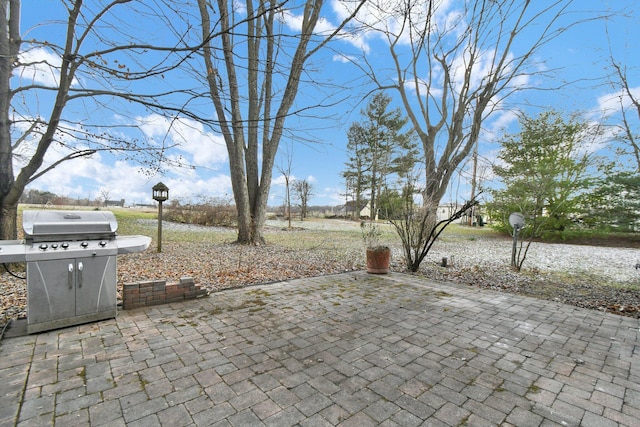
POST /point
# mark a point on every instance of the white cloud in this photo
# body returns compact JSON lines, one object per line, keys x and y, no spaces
{"x":74,"y":178}
{"x":125,"y":181}
{"x":344,"y":58}
{"x":281,"y":181}
{"x":200,"y":147}
{"x":499,"y":121}
{"x":218,"y":186}
{"x":376,"y":19}
{"x":612,"y":103}
{"x":330,"y":196}
{"x":239,"y":7}
{"x":42,"y":67}
{"x":88,"y":177}
{"x":379,"y":18}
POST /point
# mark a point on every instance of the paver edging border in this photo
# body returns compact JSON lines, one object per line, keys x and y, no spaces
{"x":157,"y":292}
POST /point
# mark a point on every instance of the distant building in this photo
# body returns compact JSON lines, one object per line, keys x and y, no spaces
{"x":348,"y":210}
{"x":472,"y":217}
{"x":119,"y":203}
{"x":447,"y":209}
{"x":444,"y":212}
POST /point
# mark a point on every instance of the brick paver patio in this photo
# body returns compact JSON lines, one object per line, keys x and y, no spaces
{"x":348,"y":350}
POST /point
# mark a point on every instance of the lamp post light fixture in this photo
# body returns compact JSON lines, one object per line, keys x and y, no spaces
{"x":160,"y":194}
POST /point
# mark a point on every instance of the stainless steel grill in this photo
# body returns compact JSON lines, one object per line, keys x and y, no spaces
{"x":71,"y":265}
{"x":45,"y":226}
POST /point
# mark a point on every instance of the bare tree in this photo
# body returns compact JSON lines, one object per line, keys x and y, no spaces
{"x":80,"y":66}
{"x":454,"y":68}
{"x":628,"y":101}
{"x":105,"y":193}
{"x":285,"y":170}
{"x":303,"y":190}
{"x":253,"y":86}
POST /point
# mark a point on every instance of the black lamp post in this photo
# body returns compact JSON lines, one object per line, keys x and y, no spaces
{"x":160,"y":194}
{"x":517,"y":221}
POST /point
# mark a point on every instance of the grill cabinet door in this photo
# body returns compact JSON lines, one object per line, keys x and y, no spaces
{"x":95,"y":284}
{"x":61,"y":290}
{"x":51,"y":290}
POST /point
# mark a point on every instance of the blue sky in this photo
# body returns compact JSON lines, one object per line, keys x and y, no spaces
{"x":317,"y":142}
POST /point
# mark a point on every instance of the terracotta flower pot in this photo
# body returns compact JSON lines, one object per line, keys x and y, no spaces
{"x":378,"y":260}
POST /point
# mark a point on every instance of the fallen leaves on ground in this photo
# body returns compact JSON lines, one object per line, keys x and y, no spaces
{"x":222,"y":266}
{"x":218,"y":266}
{"x":585,"y":292}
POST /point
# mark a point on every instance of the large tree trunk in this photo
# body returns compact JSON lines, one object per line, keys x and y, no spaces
{"x":8,"y":222}
{"x":11,"y":188}
{"x":264,"y":124}
{"x":9,"y":47}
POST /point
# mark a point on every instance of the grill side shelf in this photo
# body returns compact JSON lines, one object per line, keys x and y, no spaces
{"x":131,"y":244}
{"x":12,"y":251}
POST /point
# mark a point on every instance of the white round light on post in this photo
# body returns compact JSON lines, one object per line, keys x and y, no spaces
{"x":516,"y":220}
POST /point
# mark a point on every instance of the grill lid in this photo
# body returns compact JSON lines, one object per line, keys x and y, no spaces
{"x":50,"y":225}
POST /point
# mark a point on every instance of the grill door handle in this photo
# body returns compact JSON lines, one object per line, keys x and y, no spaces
{"x":80,"y":268}
{"x":70,"y":276}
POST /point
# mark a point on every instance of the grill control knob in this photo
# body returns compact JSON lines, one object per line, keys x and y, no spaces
{"x":54,"y":245}
{"x":44,"y":246}
{"x":65,"y":245}
{"x":103,"y":243}
{"x":84,"y":244}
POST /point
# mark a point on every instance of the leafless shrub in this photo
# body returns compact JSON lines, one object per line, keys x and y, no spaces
{"x":212,"y":212}
{"x":419,"y":229}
